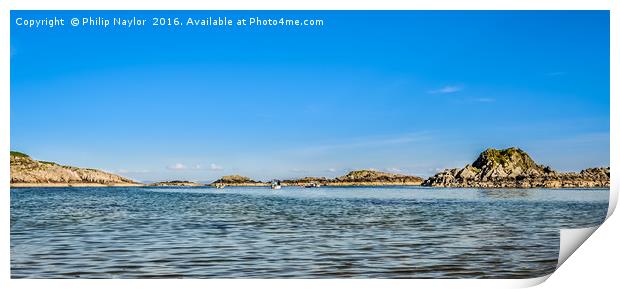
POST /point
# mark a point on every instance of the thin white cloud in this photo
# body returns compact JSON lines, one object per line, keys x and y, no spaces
{"x":198,"y":167}
{"x":394,"y":170}
{"x":331,"y":170}
{"x":446,"y":89}
{"x":177,"y":167}
{"x":376,"y":141}
{"x":215,"y":167}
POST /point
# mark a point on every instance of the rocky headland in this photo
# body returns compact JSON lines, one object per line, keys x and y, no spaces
{"x":27,"y":172}
{"x":514,"y":168}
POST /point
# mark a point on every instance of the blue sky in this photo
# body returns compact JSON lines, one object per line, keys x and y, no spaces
{"x":409,"y":92}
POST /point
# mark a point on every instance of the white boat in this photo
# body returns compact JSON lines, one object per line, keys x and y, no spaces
{"x":313,"y":185}
{"x":275,"y":185}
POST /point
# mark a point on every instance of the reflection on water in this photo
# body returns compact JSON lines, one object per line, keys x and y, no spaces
{"x":294,"y":232}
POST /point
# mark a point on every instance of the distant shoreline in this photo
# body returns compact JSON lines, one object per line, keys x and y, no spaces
{"x":505,"y":168}
{"x":89,"y":185}
{"x":94,"y":185}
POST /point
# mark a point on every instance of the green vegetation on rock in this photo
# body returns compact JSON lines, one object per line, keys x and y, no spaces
{"x":19,"y":154}
{"x":376,"y":176}
{"x":510,"y":156}
{"x":234,"y":179}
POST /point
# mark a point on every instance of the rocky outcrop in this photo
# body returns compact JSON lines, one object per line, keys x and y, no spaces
{"x":513,"y":168}
{"x":27,"y":172}
{"x":371,"y":177}
{"x":236,"y":180}
{"x":176,"y":183}
{"x":359,"y":178}
{"x":306,"y":181}
{"x":354,"y":178}
{"x":376,"y":176}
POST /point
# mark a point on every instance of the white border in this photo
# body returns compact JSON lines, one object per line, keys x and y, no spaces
{"x":6,"y":6}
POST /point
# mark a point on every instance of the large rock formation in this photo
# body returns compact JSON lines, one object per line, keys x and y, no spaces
{"x":26,"y":172}
{"x":513,"y":168}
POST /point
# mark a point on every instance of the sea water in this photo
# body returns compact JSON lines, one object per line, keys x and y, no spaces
{"x":329,"y":232}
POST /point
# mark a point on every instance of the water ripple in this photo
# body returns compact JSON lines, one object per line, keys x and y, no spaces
{"x":293,"y":233}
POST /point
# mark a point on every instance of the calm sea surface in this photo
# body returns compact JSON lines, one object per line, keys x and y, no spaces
{"x":387,"y":232}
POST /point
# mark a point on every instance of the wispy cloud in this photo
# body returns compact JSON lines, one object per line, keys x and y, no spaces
{"x":198,"y":167}
{"x":215,"y":167}
{"x":575,"y":140}
{"x":376,"y":141}
{"x":446,"y":89}
{"x":394,"y":170}
{"x":331,"y":170}
{"x":177,"y":167}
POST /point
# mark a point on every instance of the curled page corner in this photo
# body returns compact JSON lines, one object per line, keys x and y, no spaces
{"x":531,"y":282}
{"x":570,"y":240}
{"x":613,"y":200}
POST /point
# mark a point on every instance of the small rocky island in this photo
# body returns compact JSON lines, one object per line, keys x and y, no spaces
{"x":374,"y":178}
{"x":354,"y":178}
{"x":307,"y":181}
{"x":237,"y":181}
{"x":176,"y":183}
{"x":513,"y":168}
{"x":27,"y":172}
